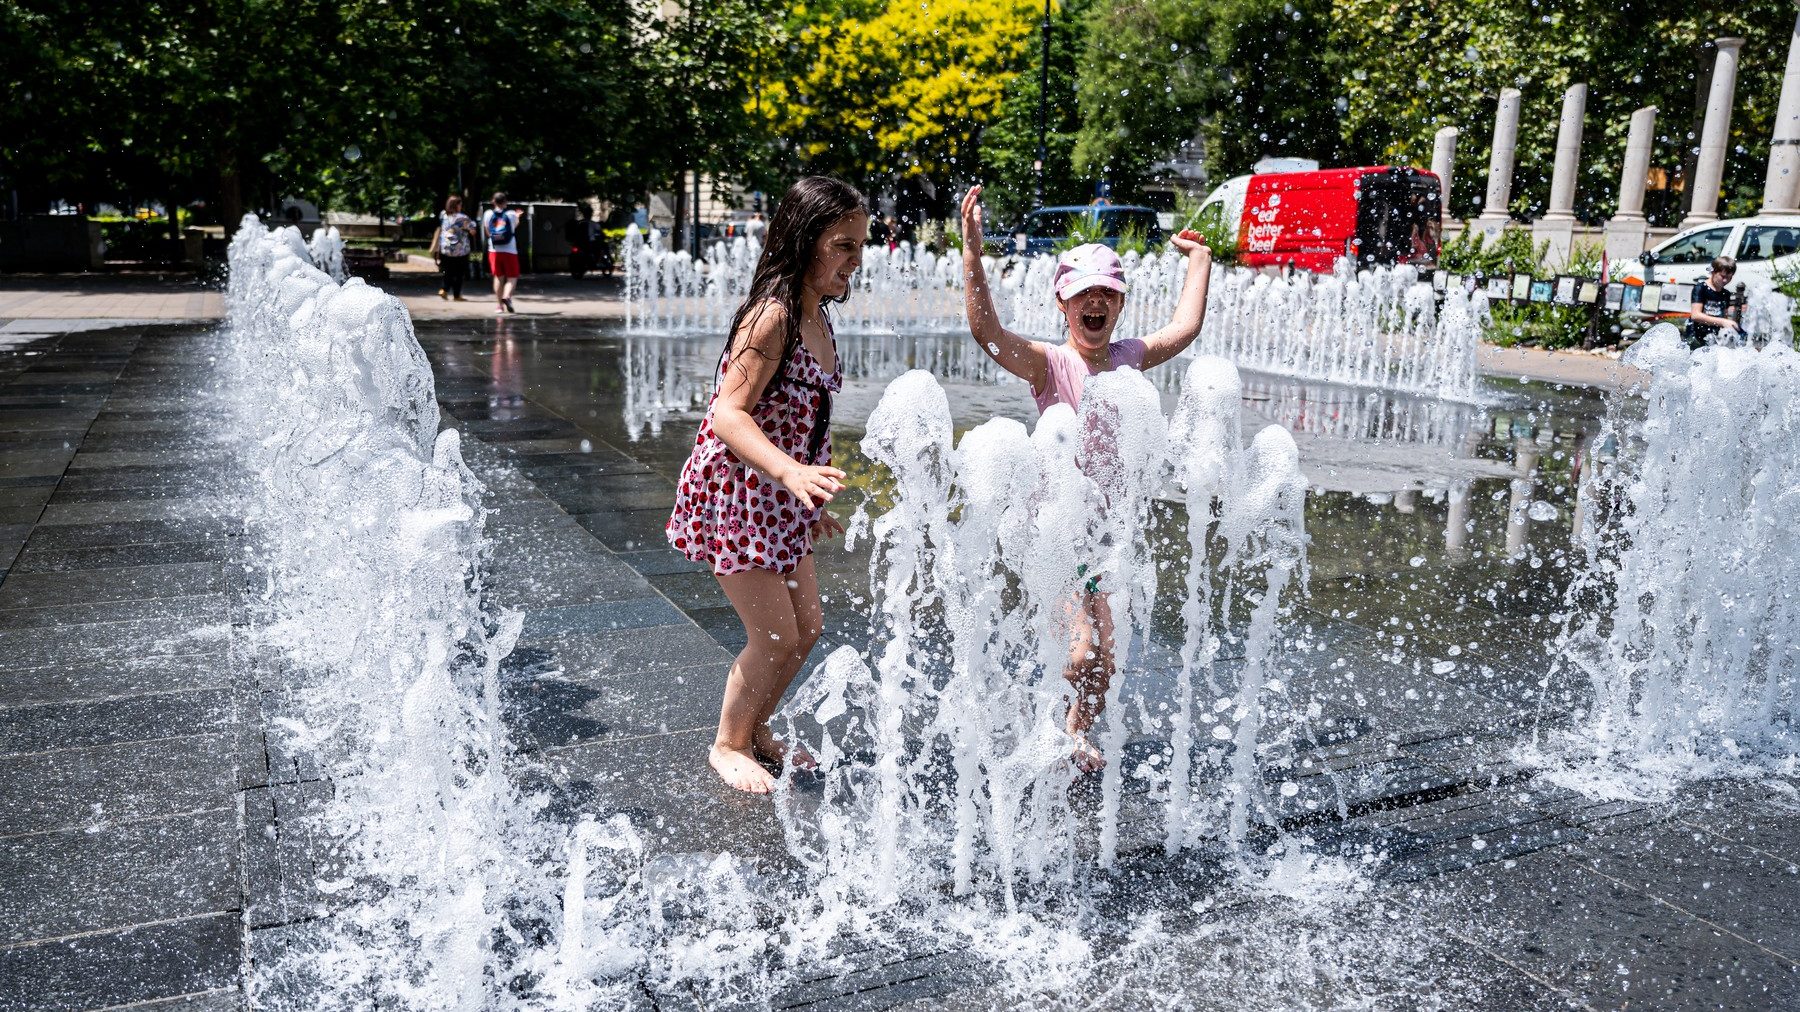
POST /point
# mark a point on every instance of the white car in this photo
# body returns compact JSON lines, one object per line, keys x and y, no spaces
{"x":1761,"y":246}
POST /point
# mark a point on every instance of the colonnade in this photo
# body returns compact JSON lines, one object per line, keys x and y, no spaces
{"x":1627,"y":233}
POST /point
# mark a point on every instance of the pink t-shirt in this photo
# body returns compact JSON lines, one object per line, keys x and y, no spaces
{"x":1069,"y":371}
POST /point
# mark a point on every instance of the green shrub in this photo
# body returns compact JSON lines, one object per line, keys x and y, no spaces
{"x":1133,"y":238}
{"x":1081,"y":230}
{"x":1543,"y":325}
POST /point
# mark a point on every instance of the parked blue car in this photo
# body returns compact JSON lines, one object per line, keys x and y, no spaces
{"x":1047,"y":226}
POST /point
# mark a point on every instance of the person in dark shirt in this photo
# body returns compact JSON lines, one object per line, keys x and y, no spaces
{"x":1711,"y":300}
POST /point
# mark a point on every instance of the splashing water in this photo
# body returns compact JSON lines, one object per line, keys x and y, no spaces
{"x":965,"y":780}
{"x":327,"y":250}
{"x":1380,"y":328}
{"x":946,"y":808}
{"x":1693,"y":668}
{"x":370,"y":529}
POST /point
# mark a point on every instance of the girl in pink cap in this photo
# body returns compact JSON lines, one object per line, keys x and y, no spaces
{"x":1090,"y":292}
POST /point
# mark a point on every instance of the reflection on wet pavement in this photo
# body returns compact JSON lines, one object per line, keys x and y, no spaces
{"x":1429,"y":514}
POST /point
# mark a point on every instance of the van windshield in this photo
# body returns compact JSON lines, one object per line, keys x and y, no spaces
{"x":1399,"y":220}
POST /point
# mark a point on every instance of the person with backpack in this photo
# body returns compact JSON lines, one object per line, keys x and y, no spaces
{"x":501,"y":227}
{"x":450,"y":247}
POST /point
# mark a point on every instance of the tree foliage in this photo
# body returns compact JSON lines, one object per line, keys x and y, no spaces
{"x":1458,"y":55}
{"x":1242,"y":75}
{"x":372,"y":104}
{"x":1009,"y":146}
{"x":880,"y":91}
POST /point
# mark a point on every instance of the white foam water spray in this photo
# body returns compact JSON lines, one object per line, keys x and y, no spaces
{"x":327,"y":250}
{"x":946,"y":760}
{"x":1380,"y":328}
{"x":369,"y":527}
{"x":1694,"y":666}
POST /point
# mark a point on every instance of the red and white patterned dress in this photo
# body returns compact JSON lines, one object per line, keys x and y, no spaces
{"x":731,"y":517}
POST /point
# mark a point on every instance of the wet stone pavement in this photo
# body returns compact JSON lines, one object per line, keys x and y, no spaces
{"x":149,"y":844}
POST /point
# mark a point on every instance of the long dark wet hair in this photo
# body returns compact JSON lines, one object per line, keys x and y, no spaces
{"x":806,"y":210}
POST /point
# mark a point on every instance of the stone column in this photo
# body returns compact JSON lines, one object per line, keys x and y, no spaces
{"x":1518,"y":504}
{"x":1781,"y":190}
{"x":1568,"y":154}
{"x":1714,"y":135}
{"x":1558,"y":223}
{"x":1626,"y":232}
{"x":1495,"y":216}
{"x":1456,"y":527}
{"x":1443,"y":164}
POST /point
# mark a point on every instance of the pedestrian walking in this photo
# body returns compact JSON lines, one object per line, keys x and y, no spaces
{"x":501,"y":226}
{"x":451,"y":244}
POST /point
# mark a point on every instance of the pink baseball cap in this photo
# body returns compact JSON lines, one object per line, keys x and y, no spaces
{"x":1089,"y":266}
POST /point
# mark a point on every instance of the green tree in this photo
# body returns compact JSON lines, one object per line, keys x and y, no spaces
{"x":372,"y":105}
{"x":1243,"y":75}
{"x":1009,"y":145}
{"x":881,"y":92}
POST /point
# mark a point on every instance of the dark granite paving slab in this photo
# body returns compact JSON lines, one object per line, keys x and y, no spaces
{"x":108,"y":677}
{"x":223,"y":1000}
{"x":692,"y":591}
{"x":138,"y":964}
{"x":659,"y":560}
{"x":1613,"y":945}
{"x":77,"y":881}
{"x":630,"y":652}
{"x":129,"y":556}
{"x":628,"y":530}
{"x":152,"y":510}
{"x":662,"y":781}
{"x":1751,"y":894}
{"x":50,"y":726}
{"x":176,"y":614}
{"x":542,"y":579}
{"x":552,"y":706}
{"x":67,"y":537}
{"x":286,"y":854}
{"x":102,"y":785}
{"x":41,"y":590}
{"x":198,"y":633}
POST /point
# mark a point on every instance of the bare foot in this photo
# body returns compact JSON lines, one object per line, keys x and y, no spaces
{"x":772,"y":749}
{"x":740,"y":769}
{"x":1086,"y":757}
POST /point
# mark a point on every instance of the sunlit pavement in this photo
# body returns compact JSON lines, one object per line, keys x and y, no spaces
{"x":152,"y":835}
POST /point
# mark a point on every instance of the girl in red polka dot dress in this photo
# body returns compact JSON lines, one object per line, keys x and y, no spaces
{"x":752,"y":496}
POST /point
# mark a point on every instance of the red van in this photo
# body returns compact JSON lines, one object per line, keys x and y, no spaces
{"x":1381,"y":215}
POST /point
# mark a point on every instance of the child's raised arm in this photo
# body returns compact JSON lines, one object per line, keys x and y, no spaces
{"x":1190,"y":311}
{"x":1020,"y":356}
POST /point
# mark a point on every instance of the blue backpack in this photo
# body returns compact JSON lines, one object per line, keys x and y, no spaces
{"x":499,"y":228}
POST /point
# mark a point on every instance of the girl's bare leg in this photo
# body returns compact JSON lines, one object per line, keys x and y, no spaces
{"x":1090,"y":673}
{"x":775,"y":648}
{"x":803,"y":592}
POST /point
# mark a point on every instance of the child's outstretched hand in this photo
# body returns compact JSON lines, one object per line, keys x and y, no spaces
{"x":1189,"y":243}
{"x":813,"y":484}
{"x":971,"y":219}
{"x":826,"y":527}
